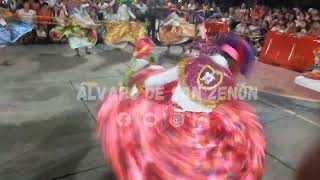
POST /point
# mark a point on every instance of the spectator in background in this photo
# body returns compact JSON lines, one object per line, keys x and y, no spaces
{"x":265,"y":27}
{"x":282,"y":28}
{"x":315,"y":28}
{"x":51,"y":3}
{"x":26,"y":14}
{"x":292,"y":17}
{"x":93,"y":13}
{"x":243,"y":9}
{"x":255,"y":27}
{"x":45,"y":17}
{"x":213,"y":6}
{"x":269,"y":16}
{"x":110,"y":11}
{"x":307,"y":16}
{"x":300,"y":20}
{"x":209,"y":10}
{"x":125,"y":13}
{"x":274,"y":21}
{"x":34,"y":5}
{"x":291,"y":27}
{"x":60,"y":12}
{"x":93,"y":6}
{"x":206,"y":6}
{"x":287,"y":15}
{"x":238,"y":14}
{"x":19,"y":4}
{"x":105,"y":9}
{"x":216,"y":13}
{"x":231,"y":11}
{"x":41,"y":34}
{"x":141,"y":9}
{"x":302,"y":27}
{"x":226,"y":17}
{"x":184,"y":7}
{"x":242,"y":28}
{"x":191,"y":5}
{"x":275,"y":27}
{"x":142,"y":6}
{"x":296,"y":11}
{"x":102,"y":9}
{"x":234,"y":18}
{"x":315,"y":16}
{"x":198,"y":7}
{"x":218,"y":10}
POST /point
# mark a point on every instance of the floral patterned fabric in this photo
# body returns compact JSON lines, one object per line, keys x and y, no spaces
{"x":123,"y":31}
{"x":78,"y":36}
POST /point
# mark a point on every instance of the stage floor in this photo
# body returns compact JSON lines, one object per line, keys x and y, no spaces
{"x":280,"y":82}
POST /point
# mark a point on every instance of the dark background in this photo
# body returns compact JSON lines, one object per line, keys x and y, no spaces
{"x":273,"y":3}
{"x":301,"y":3}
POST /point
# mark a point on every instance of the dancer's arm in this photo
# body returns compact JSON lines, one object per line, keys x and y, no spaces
{"x":65,"y":10}
{"x":162,"y":78}
{"x":3,"y":22}
{"x":131,"y":14}
{"x":139,"y":64}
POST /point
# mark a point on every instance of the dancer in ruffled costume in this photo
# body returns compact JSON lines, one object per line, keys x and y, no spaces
{"x":80,"y":30}
{"x":202,"y":43}
{"x":11,"y":28}
{"x":176,"y":30}
{"x":311,"y":79}
{"x":181,"y":134}
{"x":122,"y":30}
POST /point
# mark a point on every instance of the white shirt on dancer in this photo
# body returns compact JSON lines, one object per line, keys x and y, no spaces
{"x":124,"y":13}
{"x":142,"y":7}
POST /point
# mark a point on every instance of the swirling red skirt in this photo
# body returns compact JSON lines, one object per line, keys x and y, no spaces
{"x":145,"y":139}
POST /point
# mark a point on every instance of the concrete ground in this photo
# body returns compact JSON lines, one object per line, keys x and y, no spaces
{"x":47,"y":133}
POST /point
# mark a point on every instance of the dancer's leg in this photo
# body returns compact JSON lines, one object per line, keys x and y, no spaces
{"x":87,"y":50}
{"x":77,"y":52}
{"x":168,"y":49}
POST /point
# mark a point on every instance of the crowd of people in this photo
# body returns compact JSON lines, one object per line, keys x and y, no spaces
{"x":263,"y":19}
{"x":256,"y":22}
{"x":44,"y":14}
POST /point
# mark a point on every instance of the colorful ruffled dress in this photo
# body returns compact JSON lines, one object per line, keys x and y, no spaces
{"x":176,"y":30}
{"x":12,"y":29}
{"x":175,"y":128}
{"x":78,"y":35}
{"x":122,"y":30}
